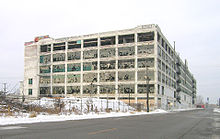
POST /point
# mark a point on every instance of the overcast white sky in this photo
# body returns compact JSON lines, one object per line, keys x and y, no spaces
{"x":193,"y":24}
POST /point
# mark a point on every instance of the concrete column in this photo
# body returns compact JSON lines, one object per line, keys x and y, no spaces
{"x":66,"y":59}
{"x":98,"y":67}
{"x":116,"y":68}
{"x":136,"y":69}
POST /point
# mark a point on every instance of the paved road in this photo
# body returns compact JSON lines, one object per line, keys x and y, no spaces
{"x":199,"y":124}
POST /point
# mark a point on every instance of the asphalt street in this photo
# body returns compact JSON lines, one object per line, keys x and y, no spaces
{"x":197,"y":124}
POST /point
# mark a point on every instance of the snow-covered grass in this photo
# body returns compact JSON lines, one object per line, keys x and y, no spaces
{"x":55,"y":118}
{"x":217,"y":110}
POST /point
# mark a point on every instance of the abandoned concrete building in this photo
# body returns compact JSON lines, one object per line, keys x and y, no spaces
{"x":115,"y":65}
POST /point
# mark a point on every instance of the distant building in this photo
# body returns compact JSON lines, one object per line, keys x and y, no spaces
{"x":110,"y":64}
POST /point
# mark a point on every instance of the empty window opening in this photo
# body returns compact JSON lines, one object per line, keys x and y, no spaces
{"x":44,"y":80}
{"x":146,"y":49}
{"x":73,"y":89}
{"x":107,"y":65}
{"x":149,"y":36}
{"x":107,"y":77}
{"x":126,"y":64}
{"x":142,"y":88}
{"x":73,"y":78}
{"x":73,"y":67}
{"x":126,"y":88}
{"x":143,"y":62}
{"x":88,"y":66}
{"x":58,"y":79}
{"x":59,"y":68}
{"x":126,"y":38}
{"x":109,"y":52}
{"x":58,"y":90}
{"x":59,"y":57}
{"x":45,"y":48}
{"x":90,"y":77}
{"x":107,"y":41}
{"x":90,"y":54}
{"x":107,"y":89}
{"x":74,"y":55}
{"x":45,"y":59}
{"x":126,"y":76}
{"x":90,"y":43}
{"x":90,"y":89}
{"x":59,"y":46}
{"x":126,"y":51}
{"x":44,"y":91}
{"x":44,"y":69}
{"x":74,"y":44}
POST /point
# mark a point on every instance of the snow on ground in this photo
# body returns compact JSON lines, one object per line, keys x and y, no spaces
{"x":187,"y":109}
{"x":55,"y":118}
{"x":217,"y":110}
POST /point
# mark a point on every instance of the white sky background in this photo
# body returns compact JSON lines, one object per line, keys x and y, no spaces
{"x":193,"y":24}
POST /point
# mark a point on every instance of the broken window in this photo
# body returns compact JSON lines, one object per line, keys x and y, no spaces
{"x":163,"y":55}
{"x":45,"y":59}
{"x":106,"y":65}
{"x":108,"y":52}
{"x":74,"y":55}
{"x":107,"y":41}
{"x":126,"y":88}
{"x":158,"y":51}
{"x":73,"y":89}
{"x":58,"y":90}
{"x":126,"y":38}
{"x":88,"y":66}
{"x":59,"y":68}
{"x":73,"y":67}
{"x":143,"y":62}
{"x":58,"y":57}
{"x":158,"y":37}
{"x":149,"y":36}
{"x":44,"y":79}
{"x":74,"y":44}
{"x":107,"y":89}
{"x":142,"y":75}
{"x":59,"y":46}
{"x":159,"y":63}
{"x":126,"y":51}
{"x":163,"y":67}
{"x":126,"y":64}
{"x":58,"y":79}
{"x":107,"y":76}
{"x":90,"y":54}
{"x":126,"y":76}
{"x":90,"y":77}
{"x":44,"y":69}
{"x":44,"y":90}
{"x":73,"y":78}
{"x":142,"y":88}
{"x":163,"y":78}
{"x":159,"y":76}
{"x":90,"y":43}
{"x":146,"y":49}
{"x":89,"y":89}
{"x":162,"y":43}
{"x":45,"y":48}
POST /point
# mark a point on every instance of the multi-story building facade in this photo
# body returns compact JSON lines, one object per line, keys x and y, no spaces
{"x":113,"y":65}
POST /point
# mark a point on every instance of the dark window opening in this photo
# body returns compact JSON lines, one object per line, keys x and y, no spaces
{"x":126,"y":38}
{"x":59,"y":57}
{"x":106,"y":65}
{"x":90,"y":43}
{"x":59,"y":46}
{"x":74,"y":44}
{"x":30,"y":81}
{"x":126,"y":64}
{"x":108,"y":41}
{"x":149,"y":36}
{"x":29,"y":91}
{"x":45,"y":48}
